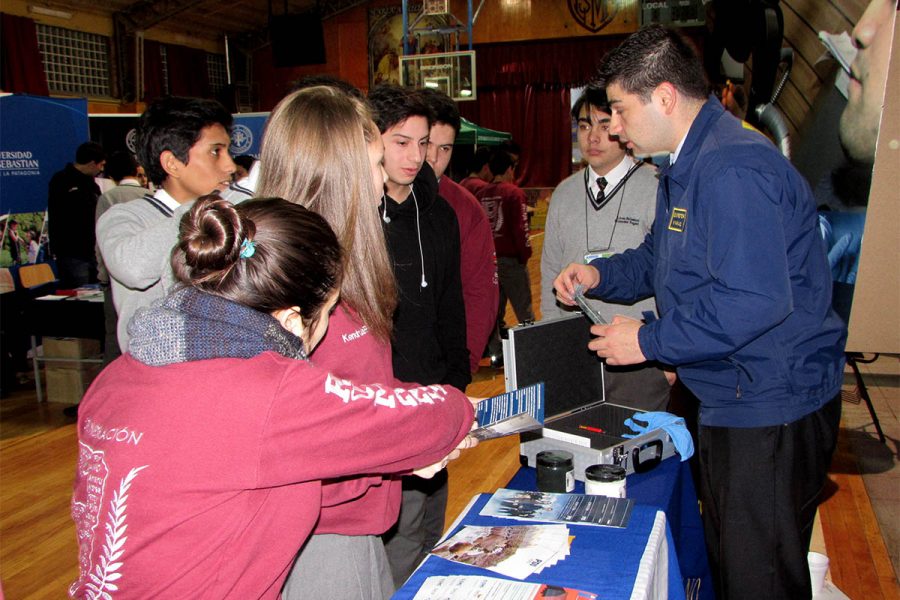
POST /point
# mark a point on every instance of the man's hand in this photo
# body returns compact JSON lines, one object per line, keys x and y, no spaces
{"x":618,"y":342}
{"x":575,"y":273}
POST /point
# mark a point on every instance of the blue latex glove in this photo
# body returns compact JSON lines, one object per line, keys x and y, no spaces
{"x":671,"y":424}
{"x":842,"y":235}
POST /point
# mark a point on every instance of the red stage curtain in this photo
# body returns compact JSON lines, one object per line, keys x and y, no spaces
{"x":188,"y":74}
{"x":538,"y":119}
{"x":21,"y":69}
{"x":154,"y":86}
{"x":523,"y":88}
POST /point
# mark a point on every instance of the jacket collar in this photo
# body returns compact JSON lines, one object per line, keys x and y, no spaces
{"x":709,"y":113}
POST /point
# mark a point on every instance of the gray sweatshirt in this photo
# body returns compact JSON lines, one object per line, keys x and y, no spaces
{"x":136,"y":240}
{"x":571,"y":231}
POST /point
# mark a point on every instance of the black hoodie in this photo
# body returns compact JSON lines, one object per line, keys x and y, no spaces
{"x":429,"y":339}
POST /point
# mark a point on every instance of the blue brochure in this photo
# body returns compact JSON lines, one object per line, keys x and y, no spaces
{"x":509,"y":413}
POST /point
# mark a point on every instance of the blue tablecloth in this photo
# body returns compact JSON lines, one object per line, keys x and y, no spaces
{"x":603,"y":560}
{"x":669,"y":487}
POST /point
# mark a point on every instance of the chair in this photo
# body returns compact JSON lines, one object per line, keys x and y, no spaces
{"x":842,"y":301}
{"x":7,"y":283}
{"x":38,"y":279}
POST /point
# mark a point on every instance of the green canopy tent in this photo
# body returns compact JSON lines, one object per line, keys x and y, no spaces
{"x":472,"y":134}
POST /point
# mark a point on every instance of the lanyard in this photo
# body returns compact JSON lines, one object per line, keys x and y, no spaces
{"x":615,"y":190}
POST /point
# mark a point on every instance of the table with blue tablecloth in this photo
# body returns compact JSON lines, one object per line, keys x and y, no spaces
{"x":606,"y":560}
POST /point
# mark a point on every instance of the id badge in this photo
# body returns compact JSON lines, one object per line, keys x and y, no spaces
{"x":592,"y":255}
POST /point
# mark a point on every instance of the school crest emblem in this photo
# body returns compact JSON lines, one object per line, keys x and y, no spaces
{"x":593,"y":15}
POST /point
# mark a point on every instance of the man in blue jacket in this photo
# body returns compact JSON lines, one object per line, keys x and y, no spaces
{"x":744,"y":296}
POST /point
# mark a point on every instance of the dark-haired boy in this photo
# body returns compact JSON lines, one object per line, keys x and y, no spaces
{"x":478,"y":262}
{"x":479,"y":172}
{"x":71,"y":202}
{"x":507,"y":209}
{"x":429,"y":338}
{"x":183,"y":145}
{"x":586,"y":222}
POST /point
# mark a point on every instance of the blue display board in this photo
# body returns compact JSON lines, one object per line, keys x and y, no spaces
{"x":247,"y":132}
{"x":38,"y":136}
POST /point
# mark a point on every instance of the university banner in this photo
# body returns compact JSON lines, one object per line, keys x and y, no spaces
{"x":119,"y":132}
{"x":39,"y":136}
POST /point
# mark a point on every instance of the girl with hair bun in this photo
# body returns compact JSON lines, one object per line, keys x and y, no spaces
{"x":203,"y":448}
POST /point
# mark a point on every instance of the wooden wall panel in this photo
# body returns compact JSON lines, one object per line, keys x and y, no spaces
{"x":505,"y":21}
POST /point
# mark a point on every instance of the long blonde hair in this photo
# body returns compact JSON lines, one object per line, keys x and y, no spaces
{"x":315,"y":153}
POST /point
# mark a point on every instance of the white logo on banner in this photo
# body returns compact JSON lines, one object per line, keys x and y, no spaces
{"x":131,"y":140}
{"x":241,"y":140}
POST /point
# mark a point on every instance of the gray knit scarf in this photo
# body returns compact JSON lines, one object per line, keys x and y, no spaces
{"x":192,"y":325}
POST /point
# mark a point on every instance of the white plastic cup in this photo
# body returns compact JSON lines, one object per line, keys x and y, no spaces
{"x":818,"y":567}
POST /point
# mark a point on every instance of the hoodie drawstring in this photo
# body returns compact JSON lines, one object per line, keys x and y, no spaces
{"x":424,"y":283}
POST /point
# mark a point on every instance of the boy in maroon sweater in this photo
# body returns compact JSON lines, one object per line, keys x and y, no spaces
{"x":506,"y":208}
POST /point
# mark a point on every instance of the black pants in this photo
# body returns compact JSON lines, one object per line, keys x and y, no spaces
{"x":759,"y":489}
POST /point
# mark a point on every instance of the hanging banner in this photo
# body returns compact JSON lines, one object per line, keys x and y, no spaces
{"x":40,"y":135}
{"x":119,"y":132}
{"x":115,"y":132}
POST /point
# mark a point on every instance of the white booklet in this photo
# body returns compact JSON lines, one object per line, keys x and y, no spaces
{"x":469,"y":587}
{"x":509,"y":413}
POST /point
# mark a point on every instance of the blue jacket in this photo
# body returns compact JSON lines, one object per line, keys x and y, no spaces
{"x":741,"y":280}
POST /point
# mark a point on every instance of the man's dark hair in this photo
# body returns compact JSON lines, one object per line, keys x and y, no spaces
{"x":500,"y":162}
{"x":511,"y":146}
{"x":309,"y":81}
{"x":174,"y":123}
{"x":120,"y":165}
{"x":89,"y":152}
{"x":244,"y":160}
{"x":481,"y":157}
{"x":591,"y":96}
{"x":654,"y":55}
{"x":444,"y":108}
{"x":392,"y":104}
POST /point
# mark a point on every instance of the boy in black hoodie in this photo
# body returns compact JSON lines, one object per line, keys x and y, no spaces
{"x":429,"y":338}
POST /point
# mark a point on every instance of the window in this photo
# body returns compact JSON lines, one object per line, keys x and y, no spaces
{"x":75,"y":62}
{"x":164,"y":61}
{"x":215,"y":68}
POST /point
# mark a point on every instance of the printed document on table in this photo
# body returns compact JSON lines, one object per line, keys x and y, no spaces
{"x":466,"y":587}
{"x":579,"y":509}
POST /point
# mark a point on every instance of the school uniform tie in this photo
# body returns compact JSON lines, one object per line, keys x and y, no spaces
{"x":598,"y":200}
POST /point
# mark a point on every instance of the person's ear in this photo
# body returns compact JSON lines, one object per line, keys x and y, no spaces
{"x":170,"y":163}
{"x":291,"y":320}
{"x":667,"y":97}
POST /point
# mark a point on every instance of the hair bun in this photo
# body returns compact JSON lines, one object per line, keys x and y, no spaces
{"x":210,"y":239}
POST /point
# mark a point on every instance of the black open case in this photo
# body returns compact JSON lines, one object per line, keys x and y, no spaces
{"x":555,"y":352}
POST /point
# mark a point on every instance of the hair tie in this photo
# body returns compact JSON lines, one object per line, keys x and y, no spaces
{"x":248,"y":248}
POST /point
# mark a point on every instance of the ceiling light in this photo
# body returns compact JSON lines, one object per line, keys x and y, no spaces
{"x":50,"y":12}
